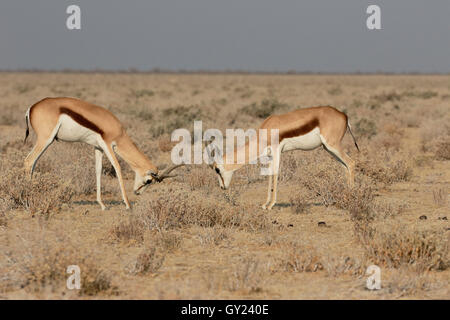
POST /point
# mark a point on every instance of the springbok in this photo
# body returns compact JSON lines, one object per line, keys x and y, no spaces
{"x":303,"y":129}
{"x":73,"y":120}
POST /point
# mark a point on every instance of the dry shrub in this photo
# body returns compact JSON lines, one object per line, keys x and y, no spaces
{"x":365,"y":128}
{"x":358,"y":200}
{"x":388,"y":141}
{"x":176,"y":118}
{"x":129,"y":230}
{"x":3,"y":219}
{"x":43,"y":194}
{"x":201,"y":178}
{"x":336,"y":266}
{"x":421,"y":94}
{"x":264,"y":109}
{"x":387,"y":208}
{"x":300,"y":201}
{"x":335,"y":91}
{"x":397,"y":248}
{"x":323,"y":184}
{"x":407,"y":282}
{"x":289,"y":166}
{"x":168,"y":241}
{"x":212,"y":236}
{"x":165,"y":144}
{"x":177,"y":207}
{"x":442,"y":150}
{"x":39,"y":260}
{"x":301,"y":258}
{"x":440,"y":196}
{"x":387,"y":96}
{"x":249,"y":275}
{"x":73,"y":163}
{"x":384,"y":166}
{"x":148,"y":261}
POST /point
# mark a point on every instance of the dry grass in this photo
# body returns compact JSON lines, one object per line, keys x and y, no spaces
{"x":185,"y":238}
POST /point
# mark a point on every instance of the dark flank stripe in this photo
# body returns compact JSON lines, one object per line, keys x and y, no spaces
{"x":308,"y":127}
{"x":81,"y":120}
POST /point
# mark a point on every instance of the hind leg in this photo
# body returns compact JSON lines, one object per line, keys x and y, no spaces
{"x":338,"y":153}
{"x":42,"y":143}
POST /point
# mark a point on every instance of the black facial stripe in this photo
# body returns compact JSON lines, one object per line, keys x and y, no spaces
{"x":218,"y":170}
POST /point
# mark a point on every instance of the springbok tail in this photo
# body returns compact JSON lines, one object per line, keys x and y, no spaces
{"x":351,"y":133}
{"x":27,"y":119}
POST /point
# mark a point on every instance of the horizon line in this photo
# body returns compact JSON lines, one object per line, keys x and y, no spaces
{"x":214,"y":71}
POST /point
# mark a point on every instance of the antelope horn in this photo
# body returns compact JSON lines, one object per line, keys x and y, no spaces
{"x":165,"y":173}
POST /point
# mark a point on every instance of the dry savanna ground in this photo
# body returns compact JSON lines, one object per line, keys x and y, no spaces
{"x":187,"y":239}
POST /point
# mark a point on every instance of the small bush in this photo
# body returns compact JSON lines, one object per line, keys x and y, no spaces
{"x":440,"y":196}
{"x":335,"y":91}
{"x":365,"y":128}
{"x":177,"y":118}
{"x":177,"y":208}
{"x":389,"y":96}
{"x":397,"y":248}
{"x":248,"y":275}
{"x":44,"y":194}
{"x":266,"y":108}
{"x":40,"y":260}
{"x":443,"y":150}
{"x":132,"y":229}
{"x":301,"y":259}
{"x":147,"y":262}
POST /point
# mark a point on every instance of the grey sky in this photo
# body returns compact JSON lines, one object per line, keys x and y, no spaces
{"x":252,"y":35}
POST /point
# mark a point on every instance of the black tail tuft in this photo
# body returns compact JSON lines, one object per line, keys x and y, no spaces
{"x":28,"y":129}
{"x":351,"y":133}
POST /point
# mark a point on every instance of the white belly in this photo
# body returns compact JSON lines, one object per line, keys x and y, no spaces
{"x":71,"y":131}
{"x":309,"y":141}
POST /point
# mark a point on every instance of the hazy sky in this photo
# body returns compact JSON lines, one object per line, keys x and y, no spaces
{"x":252,"y":35}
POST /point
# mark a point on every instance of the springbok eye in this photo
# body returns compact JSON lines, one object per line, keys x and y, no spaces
{"x":218,"y":170}
{"x":148,"y":181}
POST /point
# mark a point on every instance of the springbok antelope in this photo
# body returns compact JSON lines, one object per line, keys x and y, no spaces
{"x":303,"y":129}
{"x":73,"y":120}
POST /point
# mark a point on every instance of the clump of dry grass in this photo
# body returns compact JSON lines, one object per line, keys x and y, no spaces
{"x":387,"y":96}
{"x":179,"y":207}
{"x":165,"y":144}
{"x":407,"y":282}
{"x":148,"y":261}
{"x":264,"y":109}
{"x":3,"y":219}
{"x":442,"y":150}
{"x":365,"y":128}
{"x":212,"y":236}
{"x":168,"y":241}
{"x":249,"y":275}
{"x":385,"y":167}
{"x":299,"y":202}
{"x":440,"y":196}
{"x":201,"y":178}
{"x":44,"y":194}
{"x":176,"y":118}
{"x":130,"y":229}
{"x":301,"y":258}
{"x":424,"y":251}
{"x":39,"y":261}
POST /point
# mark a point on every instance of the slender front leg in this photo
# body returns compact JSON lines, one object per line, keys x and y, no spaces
{"x":112,"y":158}
{"x":275,"y":171}
{"x":98,"y":172}
{"x":269,"y":193}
